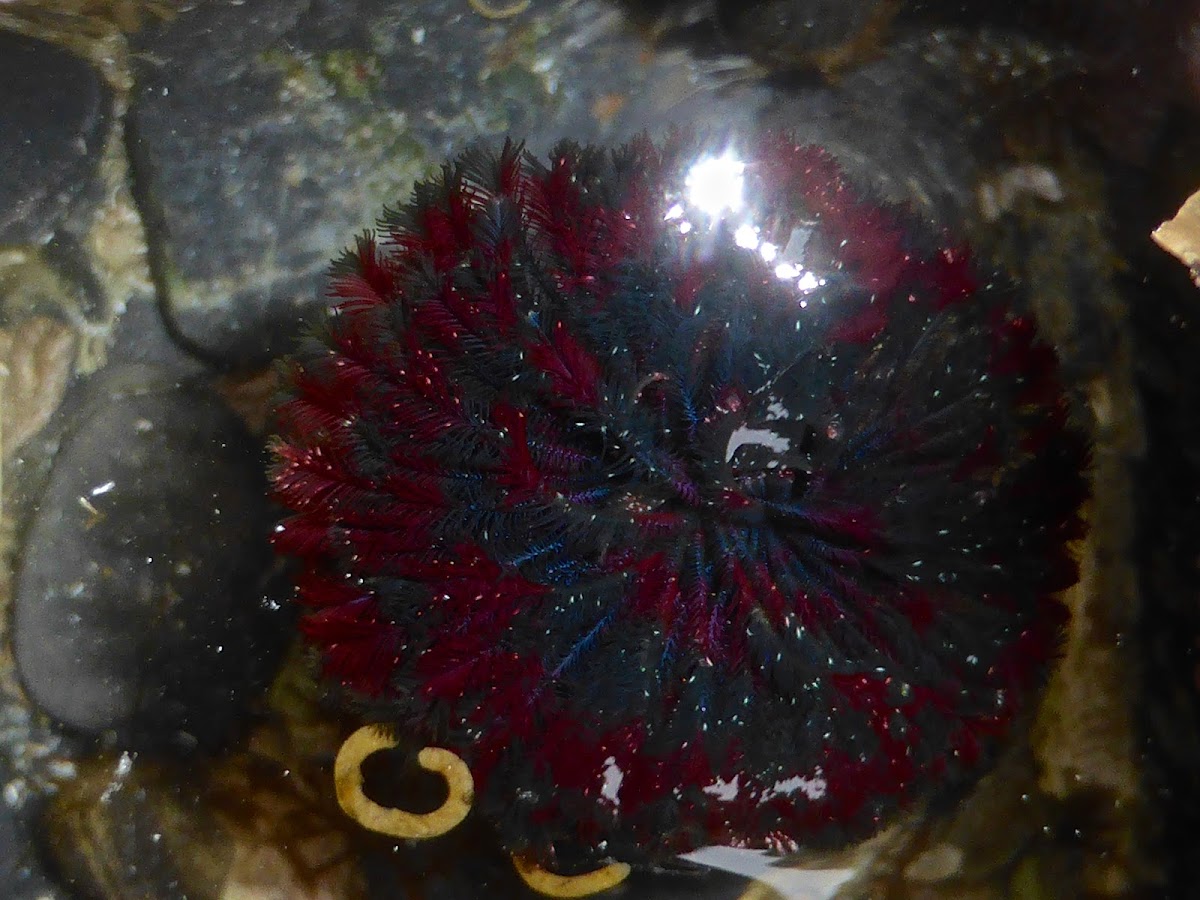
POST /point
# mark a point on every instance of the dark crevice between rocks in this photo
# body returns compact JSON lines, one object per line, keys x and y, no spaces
{"x":68,"y":257}
{"x":141,"y":188}
{"x":244,"y":340}
{"x":1165,"y":320}
{"x":1168,"y":548}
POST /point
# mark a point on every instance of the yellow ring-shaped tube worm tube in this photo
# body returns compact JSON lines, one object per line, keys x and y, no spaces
{"x":504,"y":12}
{"x":348,"y":782}
{"x":569,"y":885}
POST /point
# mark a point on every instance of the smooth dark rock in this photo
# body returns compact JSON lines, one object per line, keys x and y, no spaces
{"x":267,"y":134}
{"x":901,"y":126}
{"x":53,"y":122}
{"x":140,"y":336}
{"x":22,"y":876}
{"x":243,"y":170}
{"x":795,"y":32}
{"x":139,"y":605}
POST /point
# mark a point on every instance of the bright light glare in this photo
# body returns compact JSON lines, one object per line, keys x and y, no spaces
{"x":808,"y":281}
{"x":715,"y":185}
{"x":746,"y":237}
{"x":787,"y":270}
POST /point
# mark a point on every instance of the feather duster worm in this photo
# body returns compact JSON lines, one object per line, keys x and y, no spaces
{"x":687,"y":497}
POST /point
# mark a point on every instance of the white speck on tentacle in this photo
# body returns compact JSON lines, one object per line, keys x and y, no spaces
{"x":776,"y":410}
{"x":723,"y":790}
{"x":120,"y":773}
{"x":613,"y":776}
{"x":764,"y":436}
{"x":813,"y":788}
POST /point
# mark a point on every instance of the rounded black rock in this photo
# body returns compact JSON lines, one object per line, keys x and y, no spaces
{"x":139,"y":601}
{"x":53,"y":125}
{"x":790,"y":33}
{"x":21,"y":872}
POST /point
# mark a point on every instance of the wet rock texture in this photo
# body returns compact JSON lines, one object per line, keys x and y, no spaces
{"x":53,"y":123}
{"x":303,"y":118}
{"x":138,"y":607}
{"x":235,"y":146}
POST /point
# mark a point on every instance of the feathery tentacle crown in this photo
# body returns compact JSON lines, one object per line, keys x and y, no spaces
{"x":689,"y":497}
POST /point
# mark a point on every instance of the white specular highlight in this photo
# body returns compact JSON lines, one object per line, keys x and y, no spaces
{"x":716,"y":185}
